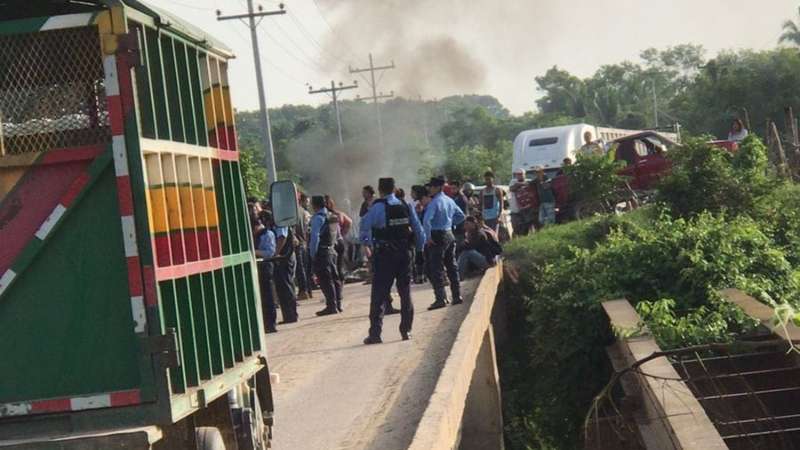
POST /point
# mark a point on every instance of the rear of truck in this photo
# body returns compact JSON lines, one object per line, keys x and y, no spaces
{"x":128,"y":293}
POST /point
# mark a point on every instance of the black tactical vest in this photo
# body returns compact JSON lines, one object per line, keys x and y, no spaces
{"x":326,"y":234}
{"x":398,"y":224}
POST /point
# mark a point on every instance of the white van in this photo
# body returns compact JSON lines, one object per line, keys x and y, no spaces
{"x":547,"y":147}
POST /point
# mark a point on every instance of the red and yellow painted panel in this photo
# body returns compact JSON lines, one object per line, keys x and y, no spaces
{"x":182,"y":209}
{"x":218,"y":106}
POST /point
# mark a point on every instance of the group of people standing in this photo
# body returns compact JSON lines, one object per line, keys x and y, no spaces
{"x":393,"y":230}
{"x":290,"y":256}
{"x":438,"y":235}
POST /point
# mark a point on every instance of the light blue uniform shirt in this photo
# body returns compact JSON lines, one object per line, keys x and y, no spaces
{"x":266,"y":244}
{"x":317,"y":222}
{"x":281,"y":232}
{"x":376,"y":218}
{"x":441,"y":214}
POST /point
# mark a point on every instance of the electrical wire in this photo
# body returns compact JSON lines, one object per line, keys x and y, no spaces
{"x":277,"y":68}
{"x":333,"y":30}
{"x":296,"y":45}
{"x":310,"y":36}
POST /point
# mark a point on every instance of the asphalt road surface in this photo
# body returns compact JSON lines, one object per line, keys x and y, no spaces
{"x":336,"y":393}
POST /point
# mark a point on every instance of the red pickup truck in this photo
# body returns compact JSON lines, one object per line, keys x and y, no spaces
{"x":645,"y":160}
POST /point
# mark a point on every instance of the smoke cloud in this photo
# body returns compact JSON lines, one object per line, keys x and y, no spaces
{"x":430,"y":62}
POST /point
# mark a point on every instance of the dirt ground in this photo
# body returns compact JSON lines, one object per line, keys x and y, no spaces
{"x":336,"y":393}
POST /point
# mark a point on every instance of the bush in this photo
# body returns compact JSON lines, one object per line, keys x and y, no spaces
{"x":557,"y":361}
{"x":708,"y":178}
{"x":593,"y":177}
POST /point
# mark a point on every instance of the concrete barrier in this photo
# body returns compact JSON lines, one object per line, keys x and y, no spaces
{"x":469,"y":373}
{"x":670,"y":417}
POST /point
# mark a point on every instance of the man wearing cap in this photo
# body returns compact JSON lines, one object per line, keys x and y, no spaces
{"x":323,"y":256}
{"x":440,"y":252}
{"x":390,"y":228}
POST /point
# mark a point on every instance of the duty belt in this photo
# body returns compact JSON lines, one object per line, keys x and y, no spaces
{"x":392,"y":245}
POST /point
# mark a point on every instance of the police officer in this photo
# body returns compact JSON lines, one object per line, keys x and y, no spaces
{"x":265,"y":250}
{"x":323,"y":256}
{"x":389,"y":227}
{"x":441,"y":215}
{"x":285,"y":262}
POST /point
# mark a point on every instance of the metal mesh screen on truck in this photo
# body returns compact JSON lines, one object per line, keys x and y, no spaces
{"x":52,"y":94}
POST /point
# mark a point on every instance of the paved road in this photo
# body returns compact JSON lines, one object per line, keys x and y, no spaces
{"x":336,"y":393}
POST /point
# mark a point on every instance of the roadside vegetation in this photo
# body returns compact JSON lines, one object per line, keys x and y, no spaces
{"x":720,"y":221}
{"x":462,"y":136}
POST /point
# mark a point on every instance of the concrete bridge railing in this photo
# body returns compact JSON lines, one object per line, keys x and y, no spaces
{"x":465,"y":410}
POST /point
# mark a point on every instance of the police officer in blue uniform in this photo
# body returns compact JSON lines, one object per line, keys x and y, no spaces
{"x":441,"y":215}
{"x":390,"y":227}
{"x":284,"y":272}
{"x":323,"y":256}
{"x":265,"y":250}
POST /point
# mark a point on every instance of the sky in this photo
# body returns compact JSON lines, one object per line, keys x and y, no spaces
{"x":446,"y":47}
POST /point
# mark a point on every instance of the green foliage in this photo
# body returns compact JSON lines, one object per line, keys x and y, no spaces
{"x":708,"y":178}
{"x":593,"y":177}
{"x":704,"y":95}
{"x":764,"y":82}
{"x":470,"y":163}
{"x":557,"y":362}
{"x":791,"y":32}
{"x":779,"y":214}
{"x":719,"y":322}
{"x":254,"y":175}
{"x":621,"y":95}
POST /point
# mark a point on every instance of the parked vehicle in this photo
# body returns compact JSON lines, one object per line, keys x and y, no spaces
{"x":644,"y":155}
{"x":130,"y":314}
{"x":547,"y":147}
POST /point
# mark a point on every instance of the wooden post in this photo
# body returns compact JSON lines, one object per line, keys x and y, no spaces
{"x":791,"y":130}
{"x":774,"y":138}
{"x":747,"y":119}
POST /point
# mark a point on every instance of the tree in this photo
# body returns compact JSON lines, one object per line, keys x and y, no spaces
{"x":564,"y":93}
{"x":791,"y":32}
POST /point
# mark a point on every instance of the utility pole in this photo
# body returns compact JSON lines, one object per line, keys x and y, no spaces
{"x":375,"y":95}
{"x":266,"y":130}
{"x":334,"y":90}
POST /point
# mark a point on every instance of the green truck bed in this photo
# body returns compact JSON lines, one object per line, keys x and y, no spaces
{"x":128,"y":290}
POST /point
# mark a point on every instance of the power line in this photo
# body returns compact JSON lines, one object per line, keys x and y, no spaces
{"x":333,"y":30}
{"x":297,"y":46}
{"x":195,"y":7}
{"x":313,"y":40}
{"x":266,"y":130}
{"x":333,"y":91}
{"x":269,"y":62}
{"x":375,"y":95}
{"x":307,"y":64}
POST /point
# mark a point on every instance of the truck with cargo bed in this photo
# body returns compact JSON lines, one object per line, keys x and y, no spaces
{"x":130,"y":314}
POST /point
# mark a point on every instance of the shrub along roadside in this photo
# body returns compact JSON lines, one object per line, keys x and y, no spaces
{"x":669,"y":260}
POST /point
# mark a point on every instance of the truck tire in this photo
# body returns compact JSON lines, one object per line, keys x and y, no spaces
{"x":209,"y":438}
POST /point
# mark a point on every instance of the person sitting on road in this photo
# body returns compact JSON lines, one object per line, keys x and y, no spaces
{"x":480,"y":250}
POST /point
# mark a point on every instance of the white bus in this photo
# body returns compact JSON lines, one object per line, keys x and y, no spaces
{"x":547,"y":147}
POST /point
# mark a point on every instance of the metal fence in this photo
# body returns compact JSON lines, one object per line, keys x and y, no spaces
{"x":52,"y":94}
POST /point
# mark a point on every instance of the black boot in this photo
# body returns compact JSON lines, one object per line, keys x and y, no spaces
{"x":327,"y":312}
{"x":438,"y":304}
{"x":371,"y":340}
